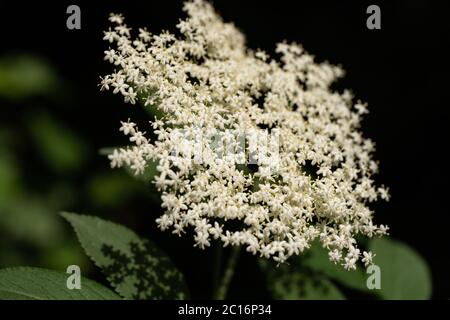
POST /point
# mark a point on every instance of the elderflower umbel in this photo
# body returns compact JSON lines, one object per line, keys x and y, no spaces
{"x":207,"y":79}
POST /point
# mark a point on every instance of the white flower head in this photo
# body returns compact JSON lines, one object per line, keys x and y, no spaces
{"x":311,"y":178}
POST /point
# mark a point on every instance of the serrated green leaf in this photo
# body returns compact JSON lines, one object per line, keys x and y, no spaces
{"x":317,"y":259}
{"x":404,"y":273}
{"x":136,"y":268}
{"x":25,"y":283}
{"x":289,"y":283}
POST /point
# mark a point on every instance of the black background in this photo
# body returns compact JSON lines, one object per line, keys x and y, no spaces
{"x":400,"y":70}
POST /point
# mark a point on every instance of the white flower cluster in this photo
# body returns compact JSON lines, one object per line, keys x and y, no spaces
{"x":208,"y":79}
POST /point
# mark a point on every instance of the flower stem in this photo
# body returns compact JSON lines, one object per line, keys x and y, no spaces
{"x":217,"y":266}
{"x":222,"y":290}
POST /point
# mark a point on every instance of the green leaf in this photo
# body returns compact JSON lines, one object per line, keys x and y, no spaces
{"x":290,"y":283}
{"x":24,"y":283}
{"x":404,"y":273}
{"x":136,"y":268}
{"x":317,"y":259}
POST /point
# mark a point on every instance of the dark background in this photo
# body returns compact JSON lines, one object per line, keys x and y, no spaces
{"x":400,"y":70}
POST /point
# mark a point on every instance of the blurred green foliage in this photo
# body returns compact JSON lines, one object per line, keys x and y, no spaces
{"x":23,"y":76}
{"x":9,"y":173}
{"x":110,"y":189}
{"x":62,"y":149}
{"x":46,"y":167}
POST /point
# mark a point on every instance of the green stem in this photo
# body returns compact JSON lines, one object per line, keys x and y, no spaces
{"x":222,"y":290}
{"x":217,"y":261}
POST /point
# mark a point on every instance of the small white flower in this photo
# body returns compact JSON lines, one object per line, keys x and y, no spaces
{"x":335,"y":256}
{"x":115,"y":159}
{"x":367,"y":258}
{"x":130,"y":95}
{"x":138,"y":138}
{"x":120,"y":86}
{"x":116,"y":18}
{"x":350,"y":263}
{"x":123,"y":30}
{"x":110,"y":55}
{"x":144,"y":34}
{"x":110,"y":36}
{"x":384,"y":193}
{"x":127,"y":127}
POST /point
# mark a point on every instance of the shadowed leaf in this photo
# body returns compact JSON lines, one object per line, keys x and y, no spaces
{"x":288,"y":283}
{"x":135,"y":267}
